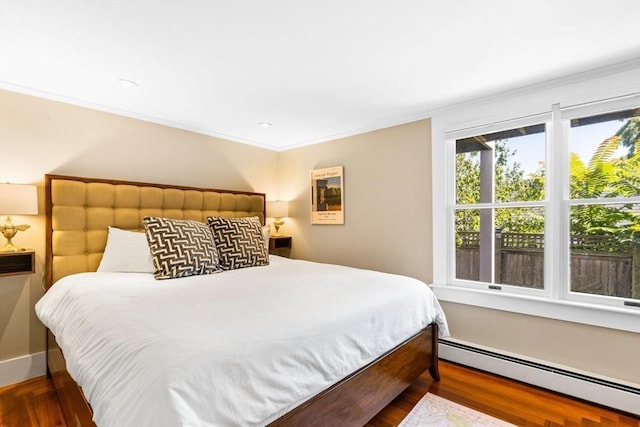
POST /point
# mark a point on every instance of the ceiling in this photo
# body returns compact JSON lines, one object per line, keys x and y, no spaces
{"x":315,"y":70}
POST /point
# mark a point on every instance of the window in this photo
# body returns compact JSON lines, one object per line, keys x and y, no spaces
{"x":500,"y":207}
{"x":551,"y":208}
{"x":604,"y":207}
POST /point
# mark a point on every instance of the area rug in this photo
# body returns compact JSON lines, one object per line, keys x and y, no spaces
{"x":434,"y":410}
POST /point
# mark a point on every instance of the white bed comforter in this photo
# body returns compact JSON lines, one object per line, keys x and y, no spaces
{"x":236,"y":348}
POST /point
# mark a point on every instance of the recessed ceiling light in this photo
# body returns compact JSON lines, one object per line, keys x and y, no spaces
{"x":127,"y":83}
{"x":265,"y":124}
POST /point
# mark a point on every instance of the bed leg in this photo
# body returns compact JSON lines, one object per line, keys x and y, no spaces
{"x":47,"y":353}
{"x":433,"y":369}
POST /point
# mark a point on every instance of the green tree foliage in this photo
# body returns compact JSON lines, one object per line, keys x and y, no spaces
{"x":467,"y":190}
{"x":604,"y":176}
{"x":629,"y":135}
{"x":512,"y":184}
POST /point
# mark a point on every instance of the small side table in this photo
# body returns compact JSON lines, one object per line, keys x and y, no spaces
{"x":21,"y":262}
{"x":280,"y":245}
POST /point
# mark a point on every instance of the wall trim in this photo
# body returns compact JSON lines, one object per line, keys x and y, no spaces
{"x":591,"y":387}
{"x":22,"y":368}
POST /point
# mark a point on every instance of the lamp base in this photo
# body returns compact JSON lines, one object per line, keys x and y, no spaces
{"x":9,"y":247}
{"x":277,"y":224}
{"x":9,"y":230}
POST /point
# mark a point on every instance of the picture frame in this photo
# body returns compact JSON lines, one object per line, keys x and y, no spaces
{"x":327,"y":195}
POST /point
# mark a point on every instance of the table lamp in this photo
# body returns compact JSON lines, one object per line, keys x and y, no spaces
{"x":16,"y":199}
{"x":277,"y":209}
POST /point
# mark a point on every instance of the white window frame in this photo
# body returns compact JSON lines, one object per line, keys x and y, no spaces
{"x":564,"y":117}
{"x":556,"y":300}
{"x":543,"y":118}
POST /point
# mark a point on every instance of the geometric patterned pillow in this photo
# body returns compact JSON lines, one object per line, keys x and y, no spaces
{"x":180,"y":248}
{"x":239,"y":241}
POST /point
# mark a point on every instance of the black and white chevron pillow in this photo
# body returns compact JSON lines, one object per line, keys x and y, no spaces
{"x":239,"y":241}
{"x":180,"y":248}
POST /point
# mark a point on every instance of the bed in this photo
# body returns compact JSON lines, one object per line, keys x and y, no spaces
{"x":341,"y":372}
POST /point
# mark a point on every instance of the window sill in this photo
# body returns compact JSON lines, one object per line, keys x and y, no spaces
{"x":604,"y":316}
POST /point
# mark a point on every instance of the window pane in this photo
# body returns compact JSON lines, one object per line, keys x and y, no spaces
{"x":467,"y":244}
{"x":505,"y":166}
{"x":511,"y":252}
{"x":519,"y":247}
{"x":605,"y":246}
{"x":604,"y":157}
{"x":467,"y":178}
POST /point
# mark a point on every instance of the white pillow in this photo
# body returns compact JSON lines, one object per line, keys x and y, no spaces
{"x":126,"y":252}
{"x":266,"y":233}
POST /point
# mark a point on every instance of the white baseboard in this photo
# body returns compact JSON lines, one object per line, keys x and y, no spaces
{"x":22,"y":368}
{"x":605,"y":391}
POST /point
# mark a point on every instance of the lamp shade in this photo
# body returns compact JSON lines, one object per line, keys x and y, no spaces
{"x":277,"y":209}
{"x":18,"y":199}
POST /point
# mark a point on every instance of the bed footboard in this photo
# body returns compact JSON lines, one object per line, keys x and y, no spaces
{"x":351,"y":402}
{"x":359,"y":397}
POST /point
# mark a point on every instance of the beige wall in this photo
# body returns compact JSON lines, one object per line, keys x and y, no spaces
{"x":386,"y":174}
{"x":387,"y":200}
{"x":594,"y":350}
{"x":39,"y":136}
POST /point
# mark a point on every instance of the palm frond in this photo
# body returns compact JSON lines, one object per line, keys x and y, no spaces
{"x":577,"y":166}
{"x":604,"y":152}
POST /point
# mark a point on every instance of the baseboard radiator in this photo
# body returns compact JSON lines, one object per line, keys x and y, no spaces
{"x":608,"y":392}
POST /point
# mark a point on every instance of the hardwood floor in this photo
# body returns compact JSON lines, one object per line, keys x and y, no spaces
{"x":33,"y":403}
{"x":502,"y":398}
{"x":30,"y":403}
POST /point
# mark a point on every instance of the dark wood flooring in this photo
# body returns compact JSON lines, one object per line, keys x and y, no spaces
{"x":33,"y":403}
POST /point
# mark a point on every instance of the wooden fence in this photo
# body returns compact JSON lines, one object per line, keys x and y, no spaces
{"x":599,"y":265}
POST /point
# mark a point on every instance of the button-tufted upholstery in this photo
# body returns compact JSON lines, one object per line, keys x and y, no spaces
{"x":79,"y":212}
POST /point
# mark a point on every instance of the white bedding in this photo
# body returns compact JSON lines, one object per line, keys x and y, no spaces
{"x":236,"y":348}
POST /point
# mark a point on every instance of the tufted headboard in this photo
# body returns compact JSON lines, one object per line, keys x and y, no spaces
{"x":79,"y":211}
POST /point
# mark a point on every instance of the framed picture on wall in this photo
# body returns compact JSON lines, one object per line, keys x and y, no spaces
{"x":327,"y":196}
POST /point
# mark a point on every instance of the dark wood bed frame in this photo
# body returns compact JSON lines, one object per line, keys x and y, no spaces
{"x":351,"y":402}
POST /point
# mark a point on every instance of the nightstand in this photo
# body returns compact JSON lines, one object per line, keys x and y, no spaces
{"x":280,"y":245}
{"x":21,"y":262}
